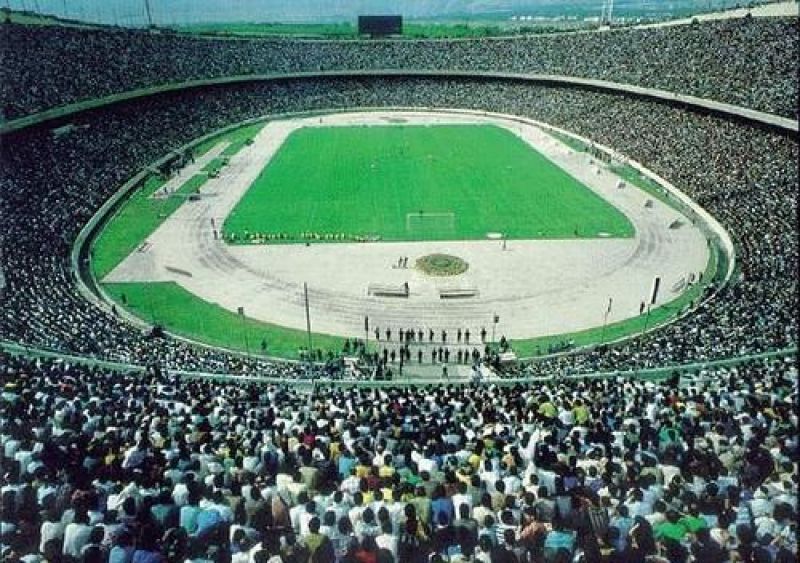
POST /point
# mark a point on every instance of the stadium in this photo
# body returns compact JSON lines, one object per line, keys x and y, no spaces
{"x":399,"y":292}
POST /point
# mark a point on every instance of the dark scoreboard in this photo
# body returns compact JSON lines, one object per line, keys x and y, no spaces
{"x":380,"y":25}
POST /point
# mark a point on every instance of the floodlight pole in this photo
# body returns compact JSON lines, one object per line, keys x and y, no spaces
{"x":308,"y":320}
{"x":605,"y":322}
{"x":244,"y":330}
{"x":644,"y":329}
{"x":366,"y":334}
{"x":646,"y":320}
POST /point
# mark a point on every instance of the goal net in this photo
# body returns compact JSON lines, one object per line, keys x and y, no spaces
{"x":426,"y":224}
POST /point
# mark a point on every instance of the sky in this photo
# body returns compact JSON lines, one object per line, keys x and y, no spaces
{"x":171,"y":12}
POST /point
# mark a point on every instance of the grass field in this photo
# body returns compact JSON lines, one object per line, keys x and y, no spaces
{"x":445,"y":182}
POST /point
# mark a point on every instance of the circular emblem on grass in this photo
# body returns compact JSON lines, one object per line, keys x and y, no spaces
{"x":441,"y":265}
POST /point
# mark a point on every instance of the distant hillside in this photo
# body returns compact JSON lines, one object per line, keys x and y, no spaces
{"x":32,"y":18}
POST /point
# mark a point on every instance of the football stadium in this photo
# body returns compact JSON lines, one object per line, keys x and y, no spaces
{"x":403,"y":282}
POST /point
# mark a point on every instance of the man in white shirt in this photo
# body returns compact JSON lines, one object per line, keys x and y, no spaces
{"x":339,"y":504}
{"x":306,"y":516}
{"x":636,"y":504}
{"x":51,"y":529}
{"x":296,"y":510}
{"x":218,"y":504}
{"x":461,"y":497}
{"x":135,"y":455}
{"x":358,"y":508}
{"x":76,"y":535}
{"x":512,"y":482}
{"x":387,"y":540}
{"x":351,"y":484}
{"x":489,"y":475}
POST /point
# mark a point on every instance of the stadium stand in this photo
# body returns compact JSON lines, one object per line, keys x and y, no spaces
{"x":738,"y":173}
{"x":102,"y":466}
{"x":748,"y":61}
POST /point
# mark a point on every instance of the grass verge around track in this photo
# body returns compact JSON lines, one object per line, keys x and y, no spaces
{"x":183,"y":313}
{"x":138,"y":218}
{"x":624,"y":171}
{"x":376,"y":182}
{"x":237,"y":138}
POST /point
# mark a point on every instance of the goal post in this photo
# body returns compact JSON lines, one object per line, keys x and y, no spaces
{"x":431,"y":223}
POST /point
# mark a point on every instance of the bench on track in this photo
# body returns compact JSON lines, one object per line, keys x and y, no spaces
{"x":458,"y":293}
{"x":378,"y":290}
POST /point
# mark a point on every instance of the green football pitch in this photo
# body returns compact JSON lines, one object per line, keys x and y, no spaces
{"x":411,"y":182}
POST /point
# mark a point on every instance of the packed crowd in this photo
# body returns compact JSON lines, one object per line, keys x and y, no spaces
{"x":749,"y":61}
{"x":116,"y":467}
{"x":123,"y":467}
{"x":742,"y":175}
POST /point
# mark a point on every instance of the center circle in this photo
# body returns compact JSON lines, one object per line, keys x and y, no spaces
{"x":441,"y":265}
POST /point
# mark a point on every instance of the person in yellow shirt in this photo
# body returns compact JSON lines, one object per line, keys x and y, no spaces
{"x":547,"y":409}
{"x":385,"y":471}
{"x":389,"y":494}
{"x":366,"y":494}
{"x":335,"y":450}
{"x":581,"y":413}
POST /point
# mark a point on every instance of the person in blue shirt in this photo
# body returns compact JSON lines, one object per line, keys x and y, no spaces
{"x":122,"y":552}
{"x":190,"y":512}
{"x":442,"y":504}
{"x":147,"y":548}
{"x":346,"y":463}
{"x":207,"y":522}
{"x":559,"y":539}
{"x":623,"y":522}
